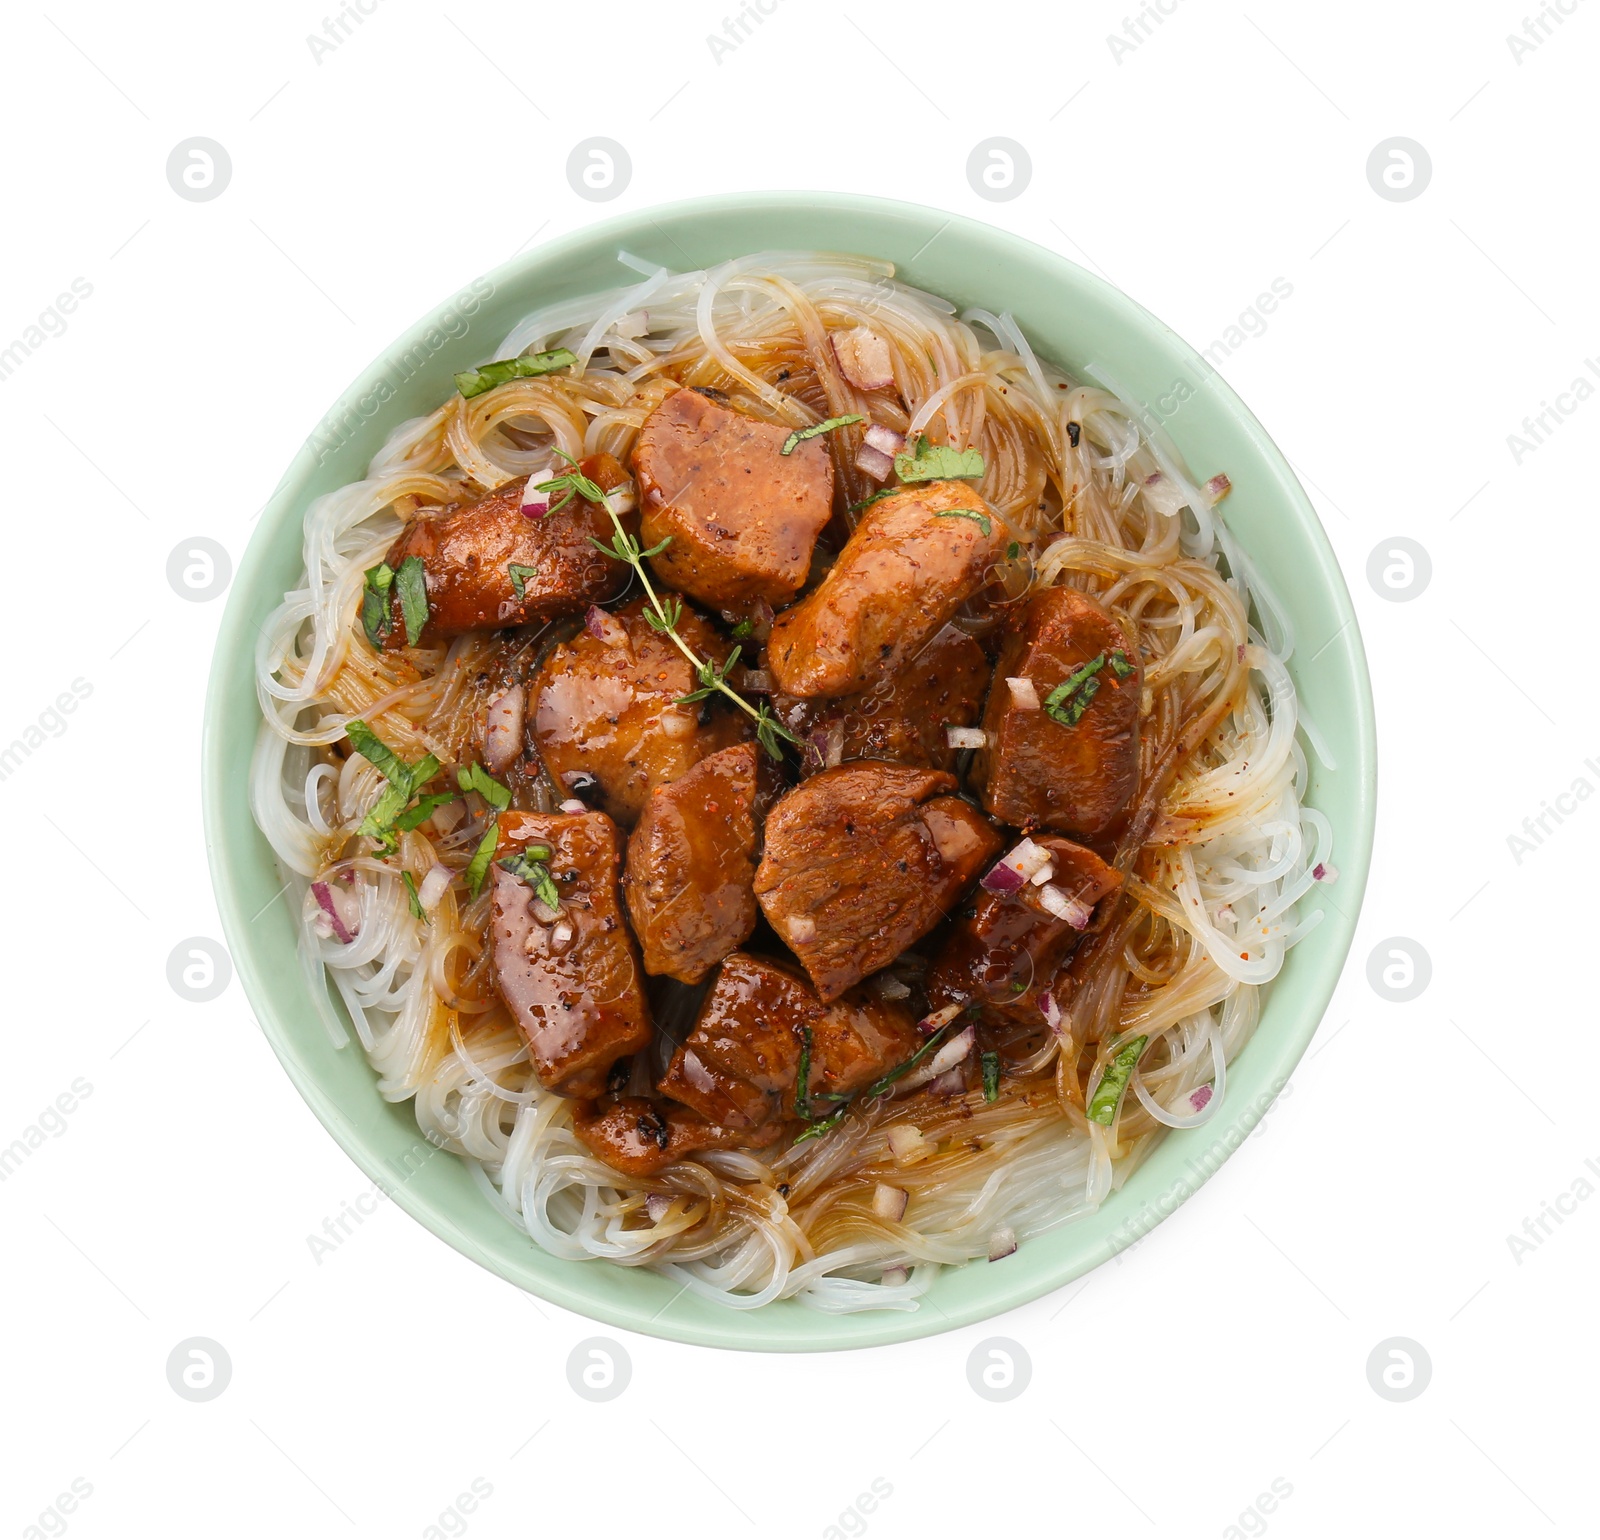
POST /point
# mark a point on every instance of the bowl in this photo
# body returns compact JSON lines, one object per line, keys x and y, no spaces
{"x":1070,"y":316}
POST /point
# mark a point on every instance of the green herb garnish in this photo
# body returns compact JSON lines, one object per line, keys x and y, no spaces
{"x":413,"y":897}
{"x":1013,"y":551}
{"x":991,"y":1075}
{"x":376,"y":619}
{"x":1120,"y":666}
{"x":529,"y":864}
{"x":936,"y":462}
{"x":822,"y":1126}
{"x":1069,"y":700}
{"x":802,"y":1085}
{"x":663,"y":615}
{"x":742,"y":631}
{"x":389,"y":811}
{"x":519,"y":578}
{"x":827,"y":425}
{"x":421,"y":810}
{"x":473,"y":382}
{"x":478,"y":866}
{"x":1108,"y":1094}
{"x":980,"y":519}
{"x":572,"y":484}
{"x":476,"y":778}
{"x":867,"y":502}
{"x":411,"y":581}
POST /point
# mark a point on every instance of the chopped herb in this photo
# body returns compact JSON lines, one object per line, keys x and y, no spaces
{"x":878,"y":1087}
{"x":672,"y":613}
{"x":572,"y":484}
{"x":376,"y":619}
{"x":413,"y":897}
{"x":1013,"y":551}
{"x":421,"y":810}
{"x":1074,"y":433}
{"x":478,"y":866}
{"x":519,"y":578}
{"x":1069,"y":700}
{"x":712,"y":679}
{"x":802,"y":1084}
{"x":529,"y":864}
{"x":1120,"y":666}
{"x":473,"y":382}
{"x":1107,"y":1095}
{"x":827,"y":425}
{"x":826,"y":1125}
{"x":980,"y":519}
{"x":937,"y":462}
{"x":376,"y":752}
{"x":991,"y":1076}
{"x":771,"y":734}
{"x":476,"y":778}
{"x":867,"y":502}
{"x":411,"y":581}
{"x":742,"y":631}
{"x":385,"y":815}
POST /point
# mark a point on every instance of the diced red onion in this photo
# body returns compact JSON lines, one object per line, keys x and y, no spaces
{"x":432,"y":887}
{"x":874,"y":462}
{"x":802,"y":928}
{"x":966,"y":737}
{"x":604,"y":628}
{"x":884,"y":440}
{"x":1324,"y":871}
{"x":864,"y":358}
{"x":1043,"y":875}
{"x":1200,"y":1097}
{"x":1023,"y":695}
{"x":952,"y":1083}
{"x":1016,"y":867}
{"x":502,"y":733}
{"x":336,"y":921}
{"x":889,"y":1202}
{"x":1051,"y":1011}
{"x":1002,"y":1243}
{"x":1064,"y":906}
{"x":905,"y":1141}
{"x":1001,"y":878}
{"x":888,"y":987}
{"x":574,"y":805}
{"x":950,"y":1054}
{"x":623,"y":499}
{"x":562,"y":932}
{"x":535,"y":505}
{"x":1164,"y":494}
{"x":893,"y":1277}
{"x":656,"y":1206}
{"x":678,"y":724}
{"x":827,"y":743}
{"x":447,"y":815}
{"x":940,"y":1018}
{"x":635,"y":324}
{"x":1218,"y":488}
{"x":758,"y":681}
{"x":544,"y":913}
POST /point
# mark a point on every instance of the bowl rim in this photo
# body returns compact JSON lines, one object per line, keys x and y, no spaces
{"x":742,"y":1330}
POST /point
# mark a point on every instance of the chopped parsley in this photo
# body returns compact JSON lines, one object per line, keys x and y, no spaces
{"x":743,"y":629}
{"x":519,"y":578}
{"x":1108,"y":1094}
{"x":390,"y":811}
{"x":413,"y":897}
{"x":991,"y":1076}
{"x":1013,"y":551}
{"x":473,"y":382}
{"x":980,"y":519}
{"x":411,"y":581}
{"x":827,"y":425}
{"x":529,"y":864}
{"x":937,"y":462}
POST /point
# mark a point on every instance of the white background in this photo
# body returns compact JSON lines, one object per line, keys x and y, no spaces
{"x":1229,"y":1350}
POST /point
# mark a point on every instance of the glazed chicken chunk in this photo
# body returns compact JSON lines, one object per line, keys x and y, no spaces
{"x":570,"y":976}
{"x":741,"y":515}
{"x":486,"y":564}
{"x":607,"y":709}
{"x":915,"y":558}
{"x":1072,"y":763}
{"x":641,"y":1135}
{"x":692,"y":865}
{"x":863,"y":860}
{"x":740,"y":1066}
{"x":902,"y":717}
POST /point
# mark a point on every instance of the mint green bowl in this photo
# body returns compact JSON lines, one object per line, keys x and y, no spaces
{"x":1071,"y":317}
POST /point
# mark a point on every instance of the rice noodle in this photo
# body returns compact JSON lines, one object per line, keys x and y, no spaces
{"x":1218,"y":867}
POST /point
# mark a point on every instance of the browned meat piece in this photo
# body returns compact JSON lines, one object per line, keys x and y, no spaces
{"x":572,"y":981}
{"x":467,"y":554}
{"x":691,"y":863}
{"x":1012,"y":941}
{"x":639,"y":1137}
{"x":864,"y":859}
{"x":742,"y":516}
{"x":912,"y":562}
{"x":608,"y":710}
{"x":902,"y":717}
{"x":740,"y":1067}
{"x":1038,"y":769}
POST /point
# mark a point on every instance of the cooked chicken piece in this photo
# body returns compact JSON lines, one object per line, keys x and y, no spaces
{"x":740,"y":1067}
{"x":606,"y":709}
{"x":468,"y":554}
{"x":571,"y":978}
{"x":912,"y":562}
{"x":1010,"y":941}
{"x":902,"y":717}
{"x":863,"y":860}
{"x":639,"y":1136}
{"x":1072,"y":765}
{"x":741,"y":515}
{"x":691,"y":866}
